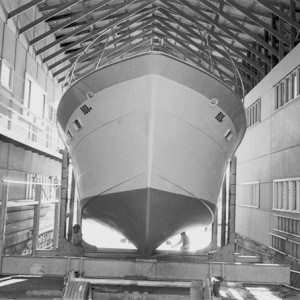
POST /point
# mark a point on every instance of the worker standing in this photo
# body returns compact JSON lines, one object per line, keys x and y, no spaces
{"x":185,"y":241}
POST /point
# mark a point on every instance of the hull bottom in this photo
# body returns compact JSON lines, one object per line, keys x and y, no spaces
{"x":147,"y":217}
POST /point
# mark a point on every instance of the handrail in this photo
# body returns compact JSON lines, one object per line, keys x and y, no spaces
{"x":236,"y":70}
{"x":29,"y":126}
{"x":71,"y":72}
{"x":28,"y":111}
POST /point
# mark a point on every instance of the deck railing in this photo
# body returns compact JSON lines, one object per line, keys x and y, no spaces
{"x":19,"y":123}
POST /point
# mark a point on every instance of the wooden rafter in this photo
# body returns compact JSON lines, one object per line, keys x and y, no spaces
{"x":221,"y":42}
{"x":280,"y":14}
{"x":98,"y":49}
{"x":258,"y":21}
{"x":69,"y":21}
{"x":247,"y":31}
{"x":49,"y":15}
{"x":181,"y":41}
{"x":23,"y":8}
{"x":122,"y":27}
{"x":211,"y":34}
{"x":101,"y":47}
{"x":125,"y":47}
{"x":229,"y":33}
{"x":79,"y":29}
{"x":100,"y":30}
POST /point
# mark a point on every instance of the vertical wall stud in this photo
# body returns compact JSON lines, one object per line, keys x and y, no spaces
{"x":71,"y":217}
{"x":232,"y":200}
{"x":36,"y":217}
{"x":223,"y":220}
{"x":64,"y":194}
{"x":3,"y":220}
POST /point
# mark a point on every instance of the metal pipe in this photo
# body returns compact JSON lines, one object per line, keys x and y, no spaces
{"x":36,"y":218}
{"x":214,"y":237}
{"x":71,"y":217}
{"x":64,"y":194}
{"x":56,"y":220}
{"x":153,"y":283}
{"x":232,"y":201}
{"x":223,"y":220}
{"x":4,"y":201}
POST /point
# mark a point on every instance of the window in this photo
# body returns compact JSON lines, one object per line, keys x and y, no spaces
{"x":51,"y":113}
{"x":77,"y":125}
{"x":287,"y":89}
{"x":285,"y":246}
{"x":277,"y":97}
{"x":34,"y":97}
{"x":69,"y":136}
{"x":282,"y":94}
{"x":298,"y":81}
{"x":253,"y":113}
{"x":250,"y":194}
{"x":278,"y":243}
{"x":286,"y":194}
{"x":294,"y":85}
{"x":6,"y":74}
{"x":288,"y":225}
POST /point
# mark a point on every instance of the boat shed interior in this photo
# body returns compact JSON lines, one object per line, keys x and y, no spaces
{"x":251,"y":247}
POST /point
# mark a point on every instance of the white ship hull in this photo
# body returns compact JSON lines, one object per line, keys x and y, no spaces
{"x":151,"y":151}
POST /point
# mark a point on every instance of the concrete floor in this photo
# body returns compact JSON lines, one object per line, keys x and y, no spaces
{"x":38,"y":288}
{"x":242,"y":291}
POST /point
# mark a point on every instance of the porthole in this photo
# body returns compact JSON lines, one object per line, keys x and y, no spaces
{"x":77,"y":125}
{"x":69,"y":136}
{"x":228,"y":135}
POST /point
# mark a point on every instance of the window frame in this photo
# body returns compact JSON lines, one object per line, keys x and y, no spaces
{"x":253,"y":113}
{"x":11,"y":72}
{"x":255,"y":189}
{"x":286,"y":195}
{"x":287,"y":89}
{"x":27,"y":100}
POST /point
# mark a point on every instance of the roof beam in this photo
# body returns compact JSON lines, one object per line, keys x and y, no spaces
{"x":122,"y":27}
{"x":128,"y":47}
{"x":95,"y":32}
{"x":79,"y":29}
{"x":111,"y":57}
{"x":69,"y":21}
{"x":230,"y":34}
{"x":23,"y":8}
{"x":183,"y":53}
{"x":192,"y":59}
{"x":117,"y":40}
{"x":221,"y":42}
{"x":280,"y":14}
{"x":186,"y":53}
{"x":184,"y":37}
{"x":142,"y":35}
{"x":241,"y":27}
{"x":258,"y":21}
{"x":47,"y":16}
{"x":167,"y":16}
{"x":101,"y":31}
{"x":192,"y":51}
{"x":96,"y":51}
{"x":237,"y":64}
